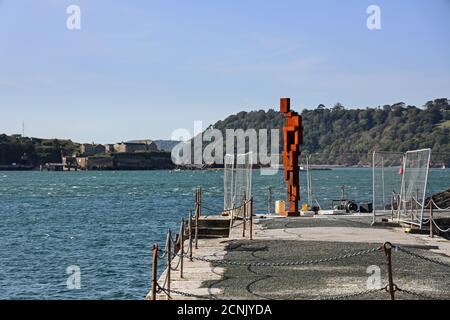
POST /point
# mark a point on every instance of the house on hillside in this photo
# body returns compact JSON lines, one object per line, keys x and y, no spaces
{"x":135,"y":146}
{"x":109,"y":148}
{"x":90,"y":149}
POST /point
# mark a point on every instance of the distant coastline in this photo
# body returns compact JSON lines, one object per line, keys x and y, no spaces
{"x":19,"y":153}
{"x":333,"y":136}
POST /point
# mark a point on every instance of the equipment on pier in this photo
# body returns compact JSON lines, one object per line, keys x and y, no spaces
{"x":228,"y":181}
{"x":365,"y":207}
{"x":414,"y":187}
{"x":237,"y":182}
{"x":280,"y":207}
{"x":349,"y":206}
{"x":400,"y":185}
{"x":312,"y":199}
{"x":387,"y":178}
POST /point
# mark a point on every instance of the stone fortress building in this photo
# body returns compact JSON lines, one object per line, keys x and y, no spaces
{"x":131,"y":155}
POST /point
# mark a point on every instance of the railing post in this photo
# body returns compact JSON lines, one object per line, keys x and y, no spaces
{"x":190,"y":235}
{"x":431,"y":217}
{"x":243,"y":219}
{"x":388,"y":252}
{"x":251,"y":218}
{"x":154,"y":269}
{"x":200,"y":202}
{"x":169,"y":261}
{"x":196,"y":202}
{"x":269,"y":200}
{"x":196,"y":232}
{"x":181,"y":255}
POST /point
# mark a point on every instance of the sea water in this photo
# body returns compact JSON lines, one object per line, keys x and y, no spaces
{"x":105,"y":223}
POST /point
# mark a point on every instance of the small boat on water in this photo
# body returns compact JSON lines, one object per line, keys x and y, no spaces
{"x":302,"y":168}
{"x":315,"y":169}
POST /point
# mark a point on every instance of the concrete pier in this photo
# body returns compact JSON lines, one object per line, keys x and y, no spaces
{"x":294,"y":239}
{"x":196,"y":272}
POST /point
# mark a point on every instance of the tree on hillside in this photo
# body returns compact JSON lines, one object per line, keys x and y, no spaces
{"x":350,"y":135}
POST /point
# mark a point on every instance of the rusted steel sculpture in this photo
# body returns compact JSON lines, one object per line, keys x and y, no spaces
{"x":292,"y":139}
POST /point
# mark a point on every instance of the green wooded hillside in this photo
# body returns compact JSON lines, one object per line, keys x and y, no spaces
{"x":33,"y":151}
{"x":338,"y":135}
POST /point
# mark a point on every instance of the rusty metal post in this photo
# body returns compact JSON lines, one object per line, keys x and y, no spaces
{"x":388,"y":252}
{"x":197,"y":199}
{"x":251,"y":218}
{"x":181,"y":255}
{"x":190,"y":235}
{"x":243,"y":219}
{"x":154,"y":269}
{"x":200,"y":202}
{"x":196,"y":232}
{"x":431,"y":218}
{"x":196,"y":202}
{"x":169,"y":261}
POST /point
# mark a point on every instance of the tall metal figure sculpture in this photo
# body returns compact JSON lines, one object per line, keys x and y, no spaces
{"x":292,"y":139}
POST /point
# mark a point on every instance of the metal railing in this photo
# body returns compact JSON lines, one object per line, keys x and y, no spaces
{"x":391,"y":288}
{"x":215,"y":209}
{"x":175,"y":248}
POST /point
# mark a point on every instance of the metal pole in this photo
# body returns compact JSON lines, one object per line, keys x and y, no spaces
{"x":190,"y":235}
{"x":388,"y":252}
{"x":243,"y":219}
{"x":269,"y":200}
{"x":154,"y":269}
{"x":196,"y":232}
{"x":251,"y":218}
{"x":374,"y":208}
{"x":417,"y":199}
{"x":382,"y":183}
{"x":200,"y":202}
{"x":431,"y":217}
{"x":402,"y":191}
{"x":309,"y":177}
{"x":392,"y":205}
{"x":181,"y":247}
{"x":425,"y":188}
{"x":196,"y":202}
{"x":169,"y":261}
{"x":307,"y":181}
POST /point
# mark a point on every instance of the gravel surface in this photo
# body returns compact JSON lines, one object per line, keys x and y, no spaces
{"x":325,"y":280}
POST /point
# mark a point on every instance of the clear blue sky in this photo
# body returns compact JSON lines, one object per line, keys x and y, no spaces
{"x":140,"y":69}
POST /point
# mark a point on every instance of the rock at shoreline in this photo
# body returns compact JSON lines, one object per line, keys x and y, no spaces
{"x":441,"y":199}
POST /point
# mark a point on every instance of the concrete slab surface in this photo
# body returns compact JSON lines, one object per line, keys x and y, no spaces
{"x":309,"y":238}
